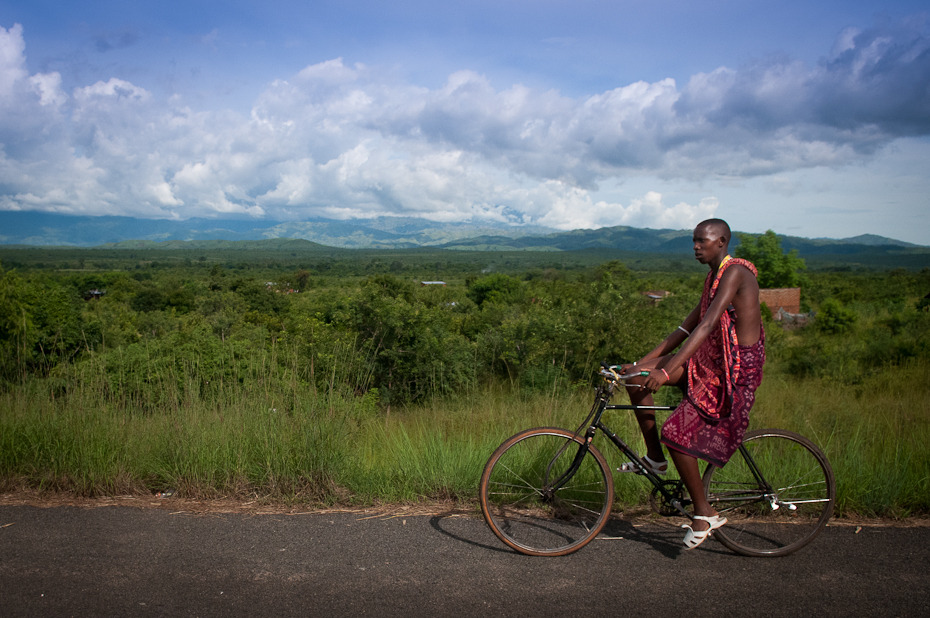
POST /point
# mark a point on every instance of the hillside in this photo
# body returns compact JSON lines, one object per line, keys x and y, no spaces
{"x":386,"y":233}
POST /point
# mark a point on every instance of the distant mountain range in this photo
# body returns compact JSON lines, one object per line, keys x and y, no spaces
{"x":45,"y":229}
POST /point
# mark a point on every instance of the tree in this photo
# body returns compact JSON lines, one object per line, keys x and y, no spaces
{"x":777,"y":269}
{"x":496,"y":288}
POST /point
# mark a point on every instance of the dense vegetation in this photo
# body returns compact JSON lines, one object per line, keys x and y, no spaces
{"x":299,"y":373}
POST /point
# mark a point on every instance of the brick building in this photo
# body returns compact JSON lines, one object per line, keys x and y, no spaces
{"x":781,"y":301}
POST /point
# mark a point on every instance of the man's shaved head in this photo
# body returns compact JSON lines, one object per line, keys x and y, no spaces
{"x":718,"y":226}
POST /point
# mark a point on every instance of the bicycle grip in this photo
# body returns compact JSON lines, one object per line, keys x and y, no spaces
{"x":643,"y":374}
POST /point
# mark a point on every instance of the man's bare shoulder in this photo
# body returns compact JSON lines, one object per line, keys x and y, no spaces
{"x":741,"y":274}
{"x":740,"y":284}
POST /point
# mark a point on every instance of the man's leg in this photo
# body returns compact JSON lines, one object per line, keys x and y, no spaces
{"x":647,"y":422}
{"x":690,"y":474}
{"x":641,"y":397}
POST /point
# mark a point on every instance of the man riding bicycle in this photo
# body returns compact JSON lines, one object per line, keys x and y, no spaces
{"x":719,"y":366}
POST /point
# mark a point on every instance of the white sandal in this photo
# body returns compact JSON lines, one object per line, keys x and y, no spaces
{"x":694,"y":538}
{"x":658,"y":468}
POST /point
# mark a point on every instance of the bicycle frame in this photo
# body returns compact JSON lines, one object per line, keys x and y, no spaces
{"x":595,"y":424}
{"x":765,"y":490}
{"x":601,"y":405}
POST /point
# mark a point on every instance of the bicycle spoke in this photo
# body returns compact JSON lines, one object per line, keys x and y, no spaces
{"x":526,"y":483}
{"x":526,"y":512}
{"x":774,"y":522}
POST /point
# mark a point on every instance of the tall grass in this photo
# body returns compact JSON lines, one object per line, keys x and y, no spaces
{"x":274,"y":438}
{"x":438,"y":450}
{"x":875,"y":433}
{"x":271,"y":435}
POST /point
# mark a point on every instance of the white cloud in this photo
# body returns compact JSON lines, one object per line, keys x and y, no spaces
{"x":12,"y":59}
{"x":352,"y":142}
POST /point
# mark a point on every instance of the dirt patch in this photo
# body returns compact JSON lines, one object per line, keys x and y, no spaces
{"x":252,"y":507}
{"x":266,"y":507}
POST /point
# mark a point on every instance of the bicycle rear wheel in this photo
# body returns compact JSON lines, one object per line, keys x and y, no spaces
{"x":521,"y":507}
{"x":783,"y":507}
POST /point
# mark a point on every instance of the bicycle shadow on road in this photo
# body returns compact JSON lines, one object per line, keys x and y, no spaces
{"x":663,"y":538}
{"x":663,"y":535}
{"x":439,"y":521}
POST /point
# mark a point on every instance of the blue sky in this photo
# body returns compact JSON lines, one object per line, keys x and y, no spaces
{"x":808,"y":118}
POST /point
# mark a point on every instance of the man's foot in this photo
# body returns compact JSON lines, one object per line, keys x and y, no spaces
{"x":658,"y":468}
{"x":693,"y":537}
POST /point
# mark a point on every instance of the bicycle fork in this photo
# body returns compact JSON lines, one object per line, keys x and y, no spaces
{"x":572,"y":468}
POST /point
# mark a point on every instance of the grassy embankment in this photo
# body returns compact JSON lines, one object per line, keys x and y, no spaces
{"x":272,"y":437}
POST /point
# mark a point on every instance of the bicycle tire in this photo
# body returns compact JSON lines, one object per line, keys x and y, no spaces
{"x":785,"y":519}
{"x":519,"y":507}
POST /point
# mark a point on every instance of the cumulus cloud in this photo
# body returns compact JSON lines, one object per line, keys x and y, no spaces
{"x":349,"y":141}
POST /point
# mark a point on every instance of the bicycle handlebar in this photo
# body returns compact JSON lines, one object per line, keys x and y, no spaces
{"x":610,"y":371}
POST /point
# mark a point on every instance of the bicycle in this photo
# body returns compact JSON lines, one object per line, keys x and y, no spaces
{"x":549,"y":492}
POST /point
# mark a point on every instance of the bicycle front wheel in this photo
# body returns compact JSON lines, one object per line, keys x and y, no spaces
{"x":523,"y":506}
{"x":777,"y":493}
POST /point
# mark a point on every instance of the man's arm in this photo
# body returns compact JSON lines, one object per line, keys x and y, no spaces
{"x":668,"y":345}
{"x":729,"y":285}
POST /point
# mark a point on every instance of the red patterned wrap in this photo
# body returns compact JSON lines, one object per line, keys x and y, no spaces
{"x":723,"y":376}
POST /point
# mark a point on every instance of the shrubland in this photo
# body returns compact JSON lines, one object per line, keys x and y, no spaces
{"x":303,"y":378}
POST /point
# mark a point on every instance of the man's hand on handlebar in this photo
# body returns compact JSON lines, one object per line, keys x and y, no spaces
{"x":654,"y":379}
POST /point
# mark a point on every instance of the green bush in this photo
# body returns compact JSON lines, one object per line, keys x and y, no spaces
{"x":834,"y":318}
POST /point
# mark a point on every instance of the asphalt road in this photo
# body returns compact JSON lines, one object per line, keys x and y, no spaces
{"x":121,"y":561}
